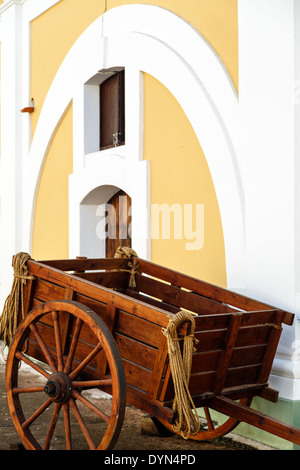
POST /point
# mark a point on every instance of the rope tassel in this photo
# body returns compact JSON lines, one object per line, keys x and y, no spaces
{"x":188,"y":421}
{"x":126,"y":252}
{"x":9,"y":317}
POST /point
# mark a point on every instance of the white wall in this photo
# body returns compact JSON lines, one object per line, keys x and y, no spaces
{"x":269,"y":154}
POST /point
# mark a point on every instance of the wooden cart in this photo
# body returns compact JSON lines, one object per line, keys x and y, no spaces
{"x":100,"y":324}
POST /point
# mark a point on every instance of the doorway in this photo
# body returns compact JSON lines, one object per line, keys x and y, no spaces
{"x":118,"y":219}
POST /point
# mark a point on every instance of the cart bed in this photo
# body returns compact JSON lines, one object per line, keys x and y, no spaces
{"x":136,"y":316}
{"x":136,"y":299}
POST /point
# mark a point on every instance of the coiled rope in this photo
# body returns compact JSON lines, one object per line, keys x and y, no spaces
{"x":187,"y":421}
{"x":9,"y":317}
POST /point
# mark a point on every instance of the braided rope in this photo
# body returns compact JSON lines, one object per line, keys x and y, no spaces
{"x":188,"y":421}
{"x":9,"y":317}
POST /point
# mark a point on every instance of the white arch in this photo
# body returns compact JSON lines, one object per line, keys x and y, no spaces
{"x":154,"y":40}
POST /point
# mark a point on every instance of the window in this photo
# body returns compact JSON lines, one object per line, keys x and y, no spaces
{"x":112,"y":111}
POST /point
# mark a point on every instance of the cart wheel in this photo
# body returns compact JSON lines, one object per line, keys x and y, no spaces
{"x":77,"y":356}
{"x":210,"y":429}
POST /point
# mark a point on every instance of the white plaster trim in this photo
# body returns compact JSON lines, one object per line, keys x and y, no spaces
{"x":109,"y":170}
{"x":207,"y":97}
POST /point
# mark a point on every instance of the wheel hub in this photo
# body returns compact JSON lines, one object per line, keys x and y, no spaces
{"x":59,"y":387}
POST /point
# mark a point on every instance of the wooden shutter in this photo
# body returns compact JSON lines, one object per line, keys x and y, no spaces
{"x":112,"y":111}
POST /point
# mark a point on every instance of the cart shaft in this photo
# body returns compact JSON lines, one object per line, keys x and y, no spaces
{"x":255,"y":418}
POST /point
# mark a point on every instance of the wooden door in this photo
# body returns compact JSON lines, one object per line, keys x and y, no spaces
{"x":118,"y":223}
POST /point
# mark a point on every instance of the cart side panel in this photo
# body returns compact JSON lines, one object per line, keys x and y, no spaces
{"x":206,"y":290}
{"x":231,"y":357}
{"x":137,"y":338}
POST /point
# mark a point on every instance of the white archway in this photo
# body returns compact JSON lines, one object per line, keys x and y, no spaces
{"x":149,"y":39}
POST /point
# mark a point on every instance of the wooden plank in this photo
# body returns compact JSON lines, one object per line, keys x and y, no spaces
{"x":211,"y":291}
{"x":45,"y":291}
{"x":65,"y":319}
{"x":205,"y":361}
{"x":151,"y":301}
{"x":136,"y":352}
{"x":253,"y":335}
{"x":208,"y":360}
{"x":237,"y":376}
{"x":146,"y":332}
{"x":112,"y":314}
{"x":87,"y":264}
{"x":267,"y":362}
{"x":137,"y":376}
{"x":248,"y":355}
{"x":269,"y":394}
{"x":209,"y":340}
{"x":201,"y":382}
{"x":98,"y":307}
{"x":28,"y":294}
{"x":225,"y":356}
{"x":159,"y":368}
{"x":255,"y":418}
{"x":261,"y":317}
{"x":180,"y":298}
{"x":212,"y":322}
{"x":111,"y":279}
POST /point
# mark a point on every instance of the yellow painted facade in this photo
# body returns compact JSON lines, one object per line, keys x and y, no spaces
{"x":216,"y":20}
{"x":179,"y":171}
{"x":180,"y":175}
{"x":51,"y":224}
{"x":68,"y":19}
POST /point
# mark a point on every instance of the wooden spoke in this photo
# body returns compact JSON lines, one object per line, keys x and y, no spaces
{"x":32,"y":364}
{"x":35,"y":415}
{"x":91,"y":383}
{"x":52,"y":426}
{"x":86,"y":361}
{"x":55,"y":316}
{"x":67,"y":426}
{"x":91,"y":406}
{"x":18,"y":390}
{"x":208,"y":419}
{"x":43,"y":347}
{"x":82,"y":425}
{"x":74,"y":342}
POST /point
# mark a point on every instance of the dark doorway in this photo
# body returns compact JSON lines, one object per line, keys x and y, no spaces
{"x":118,"y":216}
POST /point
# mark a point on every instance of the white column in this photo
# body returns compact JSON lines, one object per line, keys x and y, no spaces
{"x":267,"y":161}
{"x":11,"y":148}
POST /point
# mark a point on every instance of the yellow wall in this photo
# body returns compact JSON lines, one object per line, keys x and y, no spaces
{"x":51,"y":223}
{"x":180,"y":174}
{"x":63,"y":23}
{"x":216,"y":20}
